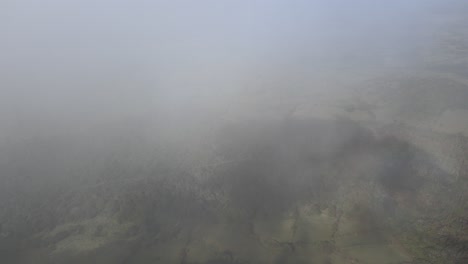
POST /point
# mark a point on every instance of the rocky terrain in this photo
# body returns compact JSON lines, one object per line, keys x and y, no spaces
{"x":351,"y":165}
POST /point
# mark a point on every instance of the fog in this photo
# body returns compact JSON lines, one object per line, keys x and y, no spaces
{"x":233,"y":131}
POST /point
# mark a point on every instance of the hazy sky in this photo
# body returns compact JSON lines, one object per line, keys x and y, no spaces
{"x":88,"y":57}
